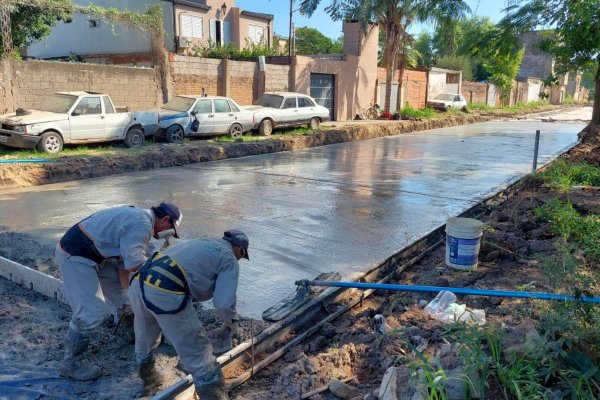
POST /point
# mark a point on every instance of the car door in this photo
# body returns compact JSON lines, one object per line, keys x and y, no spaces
{"x":114,"y":123}
{"x":289,"y":112}
{"x":203,"y":111}
{"x":223,"y":116}
{"x":86,"y":120}
{"x":306,"y":109}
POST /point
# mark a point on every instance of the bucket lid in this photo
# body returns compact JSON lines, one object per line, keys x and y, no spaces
{"x":460,"y":222}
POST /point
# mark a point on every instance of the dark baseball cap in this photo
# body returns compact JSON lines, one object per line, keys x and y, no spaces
{"x":174,"y":213}
{"x":238,"y":238}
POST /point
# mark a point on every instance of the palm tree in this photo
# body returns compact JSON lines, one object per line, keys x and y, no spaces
{"x":394,"y":17}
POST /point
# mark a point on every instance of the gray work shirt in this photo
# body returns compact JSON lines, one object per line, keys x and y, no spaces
{"x":121,"y":232}
{"x":212,"y":271}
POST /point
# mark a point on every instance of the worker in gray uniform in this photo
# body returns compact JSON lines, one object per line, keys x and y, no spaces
{"x":161,"y":296}
{"x":96,"y":257}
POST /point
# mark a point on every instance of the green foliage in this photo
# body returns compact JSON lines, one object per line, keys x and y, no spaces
{"x":426,"y":113}
{"x":582,"y":231}
{"x":563,"y":175}
{"x":503,"y":69}
{"x":458,"y":63}
{"x":250,"y":51}
{"x":311,"y":41}
{"x":30,"y":24}
{"x":150,"y":20}
{"x":424,"y":45}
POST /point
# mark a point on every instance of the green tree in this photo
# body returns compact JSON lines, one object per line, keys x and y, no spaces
{"x":311,"y":41}
{"x":457,"y":63}
{"x":30,"y":24}
{"x":574,"y":38}
{"x":395,"y":17}
{"x":424,"y":45}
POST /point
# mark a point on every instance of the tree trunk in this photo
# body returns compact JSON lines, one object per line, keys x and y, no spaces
{"x":391,"y":47}
{"x":596,"y":110}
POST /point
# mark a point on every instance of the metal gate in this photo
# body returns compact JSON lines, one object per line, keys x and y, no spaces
{"x":322,"y":89}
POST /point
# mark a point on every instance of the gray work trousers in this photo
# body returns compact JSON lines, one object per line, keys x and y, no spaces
{"x":93,"y":291}
{"x":184,"y":330}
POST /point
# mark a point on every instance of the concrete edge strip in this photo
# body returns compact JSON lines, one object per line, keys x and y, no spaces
{"x":32,"y":279}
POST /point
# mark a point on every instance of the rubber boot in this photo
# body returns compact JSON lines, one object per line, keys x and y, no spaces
{"x":213,"y":387}
{"x":71,"y":368}
{"x":149,"y":374}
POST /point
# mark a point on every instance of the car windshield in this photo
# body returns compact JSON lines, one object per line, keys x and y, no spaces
{"x":445,"y":96}
{"x":57,"y":103}
{"x":179,"y":104}
{"x":269,"y":100}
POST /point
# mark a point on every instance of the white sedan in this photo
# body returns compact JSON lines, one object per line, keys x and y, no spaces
{"x":203,"y":116}
{"x":447,"y":101}
{"x":285,"y":109}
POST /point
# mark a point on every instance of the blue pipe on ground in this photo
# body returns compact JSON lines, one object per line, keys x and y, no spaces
{"x":26,"y":160}
{"x":461,"y":291}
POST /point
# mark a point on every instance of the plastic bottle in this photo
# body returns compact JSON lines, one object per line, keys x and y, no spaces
{"x":437,"y":306}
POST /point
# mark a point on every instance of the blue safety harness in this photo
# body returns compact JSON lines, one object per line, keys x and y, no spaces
{"x":163,"y":273}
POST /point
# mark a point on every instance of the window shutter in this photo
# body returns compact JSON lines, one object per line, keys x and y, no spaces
{"x":226,"y":32}
{"x":186,"y":25}
{"x":213,"y":30}
{"x":197,"y":27}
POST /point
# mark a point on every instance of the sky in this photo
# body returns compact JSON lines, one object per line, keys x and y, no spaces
{"x":321,"y":21}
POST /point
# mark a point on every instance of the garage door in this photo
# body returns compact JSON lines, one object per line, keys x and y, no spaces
{"x":322,"y":89}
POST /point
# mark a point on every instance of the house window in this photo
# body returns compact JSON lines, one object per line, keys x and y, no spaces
{"x":256,"y":34}
{"x":192,"y":26}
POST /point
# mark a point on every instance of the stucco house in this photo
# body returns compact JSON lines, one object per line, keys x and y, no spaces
{"x":187,"y":23}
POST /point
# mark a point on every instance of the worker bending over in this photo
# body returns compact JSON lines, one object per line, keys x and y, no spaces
{"x":95,"y":257}
{"x":161,"y":296}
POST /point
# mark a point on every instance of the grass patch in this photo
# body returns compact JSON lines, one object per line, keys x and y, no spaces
{"x":534,"y":105}
{"x":564,"y":175}
{"x":69,"y":151}
{"x":427,"y":113}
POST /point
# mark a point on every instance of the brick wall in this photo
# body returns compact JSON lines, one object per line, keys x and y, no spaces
{"x":414,"y":83}
{"x":29,"y":81}
{"x":475,"y":92}
{"x":192,"y":74}
{"x":242,"y":81}
{"x":416,"y":88}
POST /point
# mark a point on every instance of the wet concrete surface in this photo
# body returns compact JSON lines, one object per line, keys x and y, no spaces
{"x":343,"y":207}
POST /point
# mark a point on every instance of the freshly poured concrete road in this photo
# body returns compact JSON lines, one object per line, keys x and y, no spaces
{"x":343,"y":207}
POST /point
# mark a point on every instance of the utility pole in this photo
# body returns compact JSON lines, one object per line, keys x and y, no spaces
{"x":291,"y":27}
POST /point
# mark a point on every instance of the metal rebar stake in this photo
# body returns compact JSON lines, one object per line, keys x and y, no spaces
{"x":535,"y":152}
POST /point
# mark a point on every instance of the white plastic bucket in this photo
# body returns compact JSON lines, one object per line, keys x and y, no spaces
{"x":463,"y":239}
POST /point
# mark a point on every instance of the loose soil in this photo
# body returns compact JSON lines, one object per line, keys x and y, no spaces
{"x":33,"y":326}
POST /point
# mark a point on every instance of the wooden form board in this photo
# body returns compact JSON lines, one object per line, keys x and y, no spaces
{"x":32,"y":279}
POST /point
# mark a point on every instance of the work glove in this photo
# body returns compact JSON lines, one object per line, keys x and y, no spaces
{"x":229,"y":319}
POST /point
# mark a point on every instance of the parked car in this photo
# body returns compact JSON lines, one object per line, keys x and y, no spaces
{"x":446,"y":101}
{"x":282,"y":109}
{"x":201,"y":116}
{"x":75,"y":117}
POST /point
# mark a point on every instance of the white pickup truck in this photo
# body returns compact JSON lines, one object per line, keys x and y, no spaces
{"x":75,"y":117}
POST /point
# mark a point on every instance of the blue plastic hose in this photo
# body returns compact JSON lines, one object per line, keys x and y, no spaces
{"x":26,"y":160}
{"x":461,"y":291}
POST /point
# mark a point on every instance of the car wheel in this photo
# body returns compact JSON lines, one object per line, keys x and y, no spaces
{"x":134,"y":138}
{"x":447,"y":108}
{"x":314,"y":123}
{"x":266,"y":127}
{"x":174,"y":134}
{"x":236,"y":130}
{"x":51,"y":143}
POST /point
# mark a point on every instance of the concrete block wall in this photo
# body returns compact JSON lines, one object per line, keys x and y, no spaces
{"x":277,"y":78}
{"x":192,"y":74}
{"x":30,"y":81}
